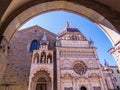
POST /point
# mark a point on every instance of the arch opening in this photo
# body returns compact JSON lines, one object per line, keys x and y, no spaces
{"x":76,"y":21}
{"x":41,"y":81}
{"x":83,"y":88}
{"x":98,"y":19}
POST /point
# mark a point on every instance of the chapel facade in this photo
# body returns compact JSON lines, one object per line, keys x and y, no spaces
{"x":42,"y":60}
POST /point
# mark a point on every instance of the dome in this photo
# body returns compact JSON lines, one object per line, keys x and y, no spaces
{"x":68,"y":29}
{"x":72,"y":30}
{"x":71,"y":33}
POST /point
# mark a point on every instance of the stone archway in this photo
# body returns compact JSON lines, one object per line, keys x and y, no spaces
{"x":79,"y":8}
{"x":98,"y":19}
{"x":76,"y":8}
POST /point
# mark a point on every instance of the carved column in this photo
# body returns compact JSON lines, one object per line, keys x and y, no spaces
{"x":116,"y":53}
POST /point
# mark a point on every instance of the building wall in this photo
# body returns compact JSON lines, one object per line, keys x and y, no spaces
{"x":115,"y":52}
{"x":42,"y":63}
{"x":17,"y":71}
{"x":71,"y":54}
{"x":4,"y":52}
{"x":116,"y":75}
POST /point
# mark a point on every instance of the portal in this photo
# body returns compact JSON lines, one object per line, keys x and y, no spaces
{"x":83,"y":88}
{"x":41,"y":84}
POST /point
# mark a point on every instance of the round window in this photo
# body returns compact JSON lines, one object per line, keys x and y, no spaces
{"x":80,"y":68}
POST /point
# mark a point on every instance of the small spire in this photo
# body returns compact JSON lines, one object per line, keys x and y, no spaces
{"x":106,"y":63}
{"x":67,"y":24}
{"x":91,"y":42}
{"x":44,"y":37}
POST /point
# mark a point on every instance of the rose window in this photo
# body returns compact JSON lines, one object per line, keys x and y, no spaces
{"x":80,"y":68}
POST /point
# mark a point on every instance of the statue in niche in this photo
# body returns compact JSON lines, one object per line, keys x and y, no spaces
{"x":49,"y":59}
{"x":36,"y":58}
{"x":43,"y":57}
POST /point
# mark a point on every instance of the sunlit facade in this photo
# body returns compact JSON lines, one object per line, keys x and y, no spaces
{"x":42,"y":60}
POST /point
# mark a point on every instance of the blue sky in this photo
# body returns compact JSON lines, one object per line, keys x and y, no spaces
{"x":55,"y":21}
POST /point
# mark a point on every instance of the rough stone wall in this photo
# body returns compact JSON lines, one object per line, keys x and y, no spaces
{"x":4,"y":52}
{"x":17,"y":71}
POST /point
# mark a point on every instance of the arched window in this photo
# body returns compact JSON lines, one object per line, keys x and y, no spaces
{"x":34,"y":45}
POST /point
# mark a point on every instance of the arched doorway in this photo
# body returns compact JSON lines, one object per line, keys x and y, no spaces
{"x":83,"y":88}
{"x":41,"y":84}
{"x":40,"y":81}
